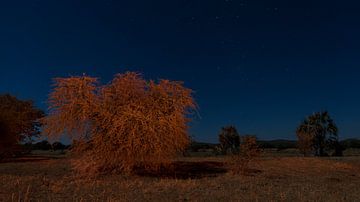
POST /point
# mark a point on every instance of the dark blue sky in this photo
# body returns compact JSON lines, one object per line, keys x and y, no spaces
{"x":260,"y":65}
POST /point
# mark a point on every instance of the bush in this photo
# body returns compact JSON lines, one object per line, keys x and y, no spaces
{"x":120,"y":126}
{"x":249,"y":151}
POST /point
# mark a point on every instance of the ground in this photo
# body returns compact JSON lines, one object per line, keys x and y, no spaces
{"x":271,"y":178}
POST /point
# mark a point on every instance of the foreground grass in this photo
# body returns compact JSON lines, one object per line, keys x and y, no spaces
{"x":271,"y":179}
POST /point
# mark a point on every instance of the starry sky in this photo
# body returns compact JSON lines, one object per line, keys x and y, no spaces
{"x":259,"y":65}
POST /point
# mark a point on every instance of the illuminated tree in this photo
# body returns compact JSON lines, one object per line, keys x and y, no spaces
{"x":316,"y":133}
{"x":127,"y":123}
{"x":72,"y":107}
{"x":19,"y":122}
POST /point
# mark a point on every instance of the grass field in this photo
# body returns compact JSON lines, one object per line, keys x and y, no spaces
{"x":272,"y":178}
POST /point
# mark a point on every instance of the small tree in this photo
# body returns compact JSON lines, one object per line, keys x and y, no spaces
{"x":317,"y":133}
{"x":249,"y":151}
{"x":229,"y":139}
{"x":127,"y":123}
{"x":18,"y":122}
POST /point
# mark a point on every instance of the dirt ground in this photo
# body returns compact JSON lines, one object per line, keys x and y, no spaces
{"x":42,"y":178}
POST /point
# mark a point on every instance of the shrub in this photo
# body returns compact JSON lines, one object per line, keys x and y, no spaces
{"x":249,"y":151}
{"x":117,"y":127}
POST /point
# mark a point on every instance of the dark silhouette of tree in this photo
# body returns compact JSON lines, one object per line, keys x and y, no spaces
{"x":19,"y":122}
{"x":317,"y":133}
{"x":43,"y":145}
{"x":229,"y":139}
{"x":125,"y":124}
{"x":58,"y":146}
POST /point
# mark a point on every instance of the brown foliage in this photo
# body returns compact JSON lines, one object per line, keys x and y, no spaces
{"x":249,"y":151}
{"x":127,"y":123}
{"x":18,"y":122}
{"x":305,"y":142}
{"x":72,"y":104}
{"x":318,"y":132}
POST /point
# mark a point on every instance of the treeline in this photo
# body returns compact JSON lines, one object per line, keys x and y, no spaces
{"x":271,"y":144}
{"x":45,"y":145}
{"x":195,"y":146}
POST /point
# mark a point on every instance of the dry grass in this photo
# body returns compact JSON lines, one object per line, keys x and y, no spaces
{"x":273,"y":179}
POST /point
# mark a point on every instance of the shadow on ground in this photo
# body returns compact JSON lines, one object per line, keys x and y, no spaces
{"x":187,"y":170}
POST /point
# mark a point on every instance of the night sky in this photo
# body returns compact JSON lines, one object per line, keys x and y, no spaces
{"x":259,"y":65}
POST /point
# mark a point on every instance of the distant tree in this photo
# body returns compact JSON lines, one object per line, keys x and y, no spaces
{"x":19,"y":122}
{"x":317,"y":133}
{"x":42,"y":145}
{"x":58,"y":146}
{"x":229,"y":139}
{"x":117,"y":127}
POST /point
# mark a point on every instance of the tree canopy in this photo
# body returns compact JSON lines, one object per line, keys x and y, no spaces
{"x":127,"y":123}
{"x":317,"y":133}
{"x":229,"y":139}
{"x":19,"y":122}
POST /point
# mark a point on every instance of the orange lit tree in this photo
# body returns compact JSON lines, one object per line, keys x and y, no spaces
{"x":127,"y":123}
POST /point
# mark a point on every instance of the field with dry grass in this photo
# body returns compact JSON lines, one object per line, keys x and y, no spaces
{"x":271,"y":178}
